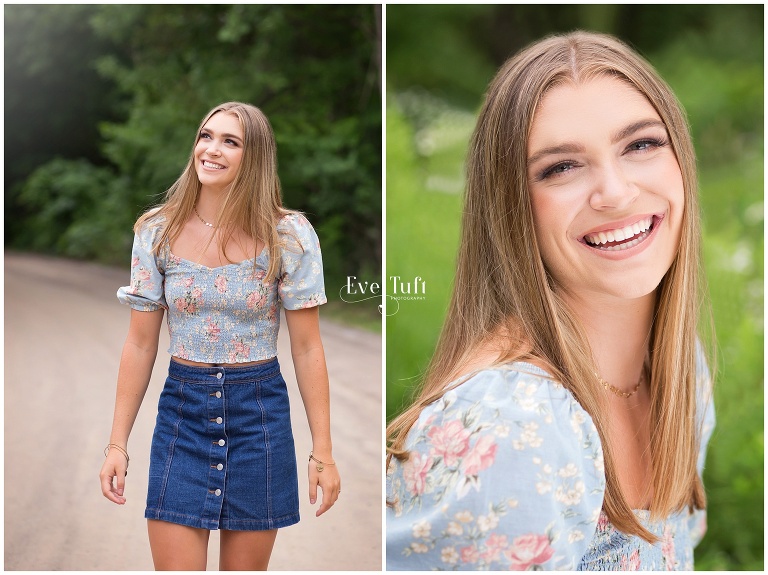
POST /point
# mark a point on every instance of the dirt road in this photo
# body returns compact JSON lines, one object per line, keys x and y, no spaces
{"x":64,"y":331}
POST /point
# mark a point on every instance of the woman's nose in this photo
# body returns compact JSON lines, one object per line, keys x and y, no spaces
{"x":613,"y":189}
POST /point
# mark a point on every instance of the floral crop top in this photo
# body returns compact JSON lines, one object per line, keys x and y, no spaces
{"x":506,"y":472}
{"x":227,"y":314}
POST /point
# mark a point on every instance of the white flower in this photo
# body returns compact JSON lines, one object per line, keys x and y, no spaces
{"x":575,"y":535}
{"x":568,"y":471}
{"x":530,"y":389}
{"x":454,"y":528}
{"x":543,"y":487}
{"x":570,"y":496}
{"x":487,"y":522}
{"x":421,"y":529}
{"x":419,"y":548}
{"x":464,"y":517}
{"x":547,"y":469}
{"x":537,"y":460}
{"x":518,"y":445}
{"x":449,"y":555}
{"x":512,"y":503}
{"x":502,"y":430}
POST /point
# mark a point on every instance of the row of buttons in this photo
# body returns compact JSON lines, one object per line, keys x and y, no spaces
{"x":221,"y":442}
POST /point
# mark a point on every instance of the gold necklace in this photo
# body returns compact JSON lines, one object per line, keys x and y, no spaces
{"x":201,"y":218}
{"x":616,"y":390}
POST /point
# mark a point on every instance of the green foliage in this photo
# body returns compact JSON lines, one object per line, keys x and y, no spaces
{"x":712,"y":58}
{"x":311,"y":69}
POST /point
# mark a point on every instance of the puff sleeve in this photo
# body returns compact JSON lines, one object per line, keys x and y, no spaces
{"x":301,"y":283}
{"x":505,"y":472}
{"x":146,"y":291}
{"x":705,"y":407}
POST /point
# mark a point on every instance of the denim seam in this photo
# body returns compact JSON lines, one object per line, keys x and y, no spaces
{"x":268,"y":487}
{"x":172,"y":447}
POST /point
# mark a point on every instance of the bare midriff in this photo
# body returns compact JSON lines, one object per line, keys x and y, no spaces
{"x":201,"y":364}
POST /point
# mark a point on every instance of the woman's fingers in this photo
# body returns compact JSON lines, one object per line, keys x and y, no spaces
{"x":109,"y":473}
{"x":329,"y":482}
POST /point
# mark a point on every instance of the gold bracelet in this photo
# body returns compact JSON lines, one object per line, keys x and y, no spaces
{"x":320,"y":465}
{"x":121,"y":450}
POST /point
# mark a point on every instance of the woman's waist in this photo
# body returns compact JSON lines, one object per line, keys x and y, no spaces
{"x":210,"y":373}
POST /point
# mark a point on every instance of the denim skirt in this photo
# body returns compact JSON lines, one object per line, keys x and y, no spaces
{"x":222,"y":452}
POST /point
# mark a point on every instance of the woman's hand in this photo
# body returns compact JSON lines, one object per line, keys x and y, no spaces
{"x":115,"y":466}
{"x":329,"y":482}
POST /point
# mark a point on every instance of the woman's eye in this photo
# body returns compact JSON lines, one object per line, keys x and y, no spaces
{"x":204,"y":135}
{"x":231,"y":142}
{"x":557,"y":169}
{"x":646,"y":144}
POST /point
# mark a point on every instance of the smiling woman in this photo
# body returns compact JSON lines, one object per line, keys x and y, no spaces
{"x":564,"y":418}
{"x":221,"y":256}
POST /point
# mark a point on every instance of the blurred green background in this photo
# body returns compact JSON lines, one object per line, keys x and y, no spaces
{"x":439,"y":62}
{"x":102,"y":103}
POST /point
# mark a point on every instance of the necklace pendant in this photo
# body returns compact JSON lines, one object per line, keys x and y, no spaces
{"x":319,"y":467}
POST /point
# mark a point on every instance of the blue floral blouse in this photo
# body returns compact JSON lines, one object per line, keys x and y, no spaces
{"x":506,"y":472}
{"x":227,"y":314}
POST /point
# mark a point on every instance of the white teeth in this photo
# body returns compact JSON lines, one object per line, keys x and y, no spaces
{"x":620,"y":235}
{"x":211,"y":165}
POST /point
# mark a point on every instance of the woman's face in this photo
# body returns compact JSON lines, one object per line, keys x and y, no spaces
{"x":606,"y":189}
{"x":219,"y":151}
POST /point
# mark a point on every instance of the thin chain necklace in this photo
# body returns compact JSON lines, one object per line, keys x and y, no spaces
{"x":616,"y":390}
{"x":201,"y":218}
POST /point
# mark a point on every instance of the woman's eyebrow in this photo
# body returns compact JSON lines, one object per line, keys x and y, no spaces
{"x":233,"y":136}
{"x":573,"y":148}
{"x":635,"y":126}
{"x":566,"y":148}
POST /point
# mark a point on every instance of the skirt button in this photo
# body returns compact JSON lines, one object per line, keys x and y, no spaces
{"x":217,"y":492}
{"x":222,"y":442}
{"x":218,"y":394}
{"x":219,"y":420}
{"x":218,"y":375}
{"x":220,"y":466}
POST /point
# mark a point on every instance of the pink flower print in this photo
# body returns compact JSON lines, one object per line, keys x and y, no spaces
{"x":494,"y":545}
{"x":255,"y":300}
{"x":470,"y":554}
{"x":239,"y":350}
{"x":272,"y":313}
{"x":197,"y":293}
{"x":451,"y":441}
{"x":181,"y":303}
{"x":182,"y":352}
{"x":480,"y":457}
{"x":221,"y":283}
{"x":134,"y":262}
{"x":189,"y":282}
{"x":602,"y":522}
{"x":668,"y":549}
{"x":213,"y":330}
{"x":528,"y":550}
{"x":259,"y":275}
{"x":142,"y":275}
{"x":632,"y":563}
{"x":415,"y":472}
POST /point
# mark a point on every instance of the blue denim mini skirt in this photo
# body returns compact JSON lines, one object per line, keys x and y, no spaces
{"x":222,"y":452}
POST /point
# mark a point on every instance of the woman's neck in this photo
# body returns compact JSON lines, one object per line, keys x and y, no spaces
{"x":618,"y":331}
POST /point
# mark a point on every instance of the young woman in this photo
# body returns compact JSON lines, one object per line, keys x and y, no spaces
{"x":221,"y":255}
{"x":563,"y":421}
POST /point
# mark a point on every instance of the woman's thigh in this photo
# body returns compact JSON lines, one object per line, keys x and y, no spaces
{"x":177,"y":547}
{"x":246,"y":550}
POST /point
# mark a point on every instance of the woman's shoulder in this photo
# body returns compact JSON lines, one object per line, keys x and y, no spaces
{"x":515,"y":389}
{"x":292,"y":222}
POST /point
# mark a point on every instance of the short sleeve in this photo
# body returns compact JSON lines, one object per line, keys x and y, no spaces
{"x":705,"y":407}
{"x":505,"y":472}
{"x":301,"y":283}
{"x":146,"y":291}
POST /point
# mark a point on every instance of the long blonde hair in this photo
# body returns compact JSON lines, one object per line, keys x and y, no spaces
{"x":252,"y":204}
{"x":502,"y":285}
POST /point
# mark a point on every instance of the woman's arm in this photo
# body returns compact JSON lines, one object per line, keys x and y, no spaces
{"x":139,"y":353}
{"x":312,"y":376}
